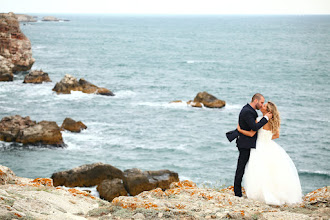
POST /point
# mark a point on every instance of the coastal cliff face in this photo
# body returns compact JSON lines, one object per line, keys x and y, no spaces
{"x":15,"y":48}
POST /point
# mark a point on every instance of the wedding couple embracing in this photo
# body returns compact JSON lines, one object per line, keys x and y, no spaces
{"x":270,"y":176}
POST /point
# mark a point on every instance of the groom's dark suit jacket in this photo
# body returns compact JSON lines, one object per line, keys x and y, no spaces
{"x":247,"y":121}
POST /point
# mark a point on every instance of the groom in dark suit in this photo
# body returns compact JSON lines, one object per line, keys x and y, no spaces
{"x":247,"y":121}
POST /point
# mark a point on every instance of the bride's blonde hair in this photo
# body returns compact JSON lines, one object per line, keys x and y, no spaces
{"x":275,"y":121}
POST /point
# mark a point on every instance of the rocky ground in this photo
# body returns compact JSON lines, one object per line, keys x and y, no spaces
{"x":22,"y":198}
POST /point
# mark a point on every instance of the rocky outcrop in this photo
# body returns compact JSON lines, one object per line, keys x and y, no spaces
{"x":207,"y":100}
{"x":36,"y":77}
{"x":203,"y":99}
{"x":110,"y":189}
{"x":6,"y":175}
{"x":72,"y":125}
{"x":70,"y":83}
{"x":15,"y":48}
{"x":23,"y":130}
{"x":137,"y":181}
{"x":23,"y":198}
{"x":25,"y":18}
{"x":86,"y":175}
{"x":50,"y":18}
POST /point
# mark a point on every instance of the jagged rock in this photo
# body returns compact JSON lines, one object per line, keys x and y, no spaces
{"x":36,"y":76}
{"x":86,"y":175}
{"x":25,"y":18}
{"x":70,"y":83}
{"x":23,"y":130}
{"x":110,"y":189}
{"x":137,"y":181}
{"x":6,"y":175}
{"x":15,"y":47}
{"x":72,"y":125}
{"x":208,"y":100}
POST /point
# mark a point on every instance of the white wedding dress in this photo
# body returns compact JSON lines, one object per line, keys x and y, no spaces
{"x":270,"y":175}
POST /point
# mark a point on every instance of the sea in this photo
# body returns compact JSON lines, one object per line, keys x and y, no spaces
{"x":148,"y":61}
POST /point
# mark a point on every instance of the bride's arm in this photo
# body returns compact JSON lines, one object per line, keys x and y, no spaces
{"x":276,"y":135}
{"x":247,"y":133}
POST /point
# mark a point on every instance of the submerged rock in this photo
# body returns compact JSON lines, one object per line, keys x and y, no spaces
{"x":70,"y":83}
{"x":72,"y":125}
{"x":23,"y":130}
{"x":86,"y":175}
{"x":15,"y":48}
{"x":36,"y":77}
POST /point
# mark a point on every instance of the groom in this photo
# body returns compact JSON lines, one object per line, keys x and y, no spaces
{"x":247,"y":121}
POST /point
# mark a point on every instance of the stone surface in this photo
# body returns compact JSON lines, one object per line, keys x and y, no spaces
{"x":36,"y":77}
{"x":137,"y":181}
{"x":70,"y":83}
{"x":72,"y":125}
{"x":15,"y":48}
{"x":23,"y":130}
{"x":86,"y":175}
{"x":25,"y":18}
{"x":110,"y":189}
{"x":6,"y":175}
{"x":209,"y":100}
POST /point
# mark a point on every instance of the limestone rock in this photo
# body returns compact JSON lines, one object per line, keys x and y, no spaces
{"x":110,"y":189}
{"x":86,"y":175}
{"x":23,"y":130}
{"x":36,"y":77}
{"x":72,"y":125}
{"x":15,"y":47}
{"x":137,"y":181}
{"x":6,"y":175}
{"x":25,"y":18}
{"x":50,"y":18}
{"x":70,"y":83}
{"x":209,"y":100}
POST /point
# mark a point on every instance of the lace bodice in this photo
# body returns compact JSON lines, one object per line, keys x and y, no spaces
{"x":264,"y":135}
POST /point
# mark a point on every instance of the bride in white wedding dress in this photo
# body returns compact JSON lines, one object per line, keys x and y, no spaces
{"x":270,"y":175}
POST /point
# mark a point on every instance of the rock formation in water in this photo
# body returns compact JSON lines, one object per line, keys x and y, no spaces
{"x":25,"y":18}
{"x":15,"y":48}
{"x":36,"y":77}
{"x":74,"y":126}
{"x":70,"y":83}
{"x":204,"y":99}
{"x":23,"y":130}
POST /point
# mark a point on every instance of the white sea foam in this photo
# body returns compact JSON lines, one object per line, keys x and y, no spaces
{"x":75,"y":95}
{"x":125,"y":94}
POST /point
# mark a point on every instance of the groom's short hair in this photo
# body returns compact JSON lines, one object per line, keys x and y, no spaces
{"x":257,"y":96}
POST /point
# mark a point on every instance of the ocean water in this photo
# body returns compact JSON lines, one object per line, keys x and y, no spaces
{"x":149,"y":61}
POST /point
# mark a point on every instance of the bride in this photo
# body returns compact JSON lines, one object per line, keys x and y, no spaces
{"x":270,"y":175}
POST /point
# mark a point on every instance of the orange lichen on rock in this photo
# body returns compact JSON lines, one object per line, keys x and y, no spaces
{"x":42,"y":181}
{"x":133,"y":203}
{"x":183,"y":184}
{"x":76,"y":192}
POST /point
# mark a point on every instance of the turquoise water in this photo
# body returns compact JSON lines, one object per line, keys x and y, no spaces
{"x":148,"y":61}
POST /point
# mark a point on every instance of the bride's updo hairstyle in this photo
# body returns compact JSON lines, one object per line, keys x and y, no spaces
{"x":275,"y":121}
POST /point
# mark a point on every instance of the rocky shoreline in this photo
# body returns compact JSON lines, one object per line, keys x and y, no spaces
{"x":23,"y":198}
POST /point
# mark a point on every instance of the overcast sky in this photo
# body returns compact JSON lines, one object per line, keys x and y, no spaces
{"x":168,"y":6}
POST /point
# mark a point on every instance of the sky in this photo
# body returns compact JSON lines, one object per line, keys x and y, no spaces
{"x":168,"y":6}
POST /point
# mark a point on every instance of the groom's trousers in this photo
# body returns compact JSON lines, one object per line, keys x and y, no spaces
{"x":244,"y":155}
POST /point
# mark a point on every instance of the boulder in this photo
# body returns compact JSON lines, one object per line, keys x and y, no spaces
{"x":137,"y":181}
{"x":36,"y":77}
{"x":6,"y":175}
{"x":70,"y":83}
{"x":110,"y":189}
{"x":86,"y":175}
{"x":15,"y":48}
{"x":72,"y":125}
{"x":195,"y":104}
{"x":209,"y":100}
{"x":23,"y":130}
